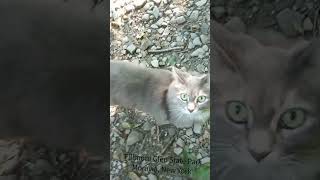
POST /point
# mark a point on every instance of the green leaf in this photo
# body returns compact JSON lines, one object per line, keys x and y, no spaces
{"x":172,"y":60}
{"x":202,"y":173}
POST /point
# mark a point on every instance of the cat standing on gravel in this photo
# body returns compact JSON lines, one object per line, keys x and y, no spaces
{"x":176,"y":97}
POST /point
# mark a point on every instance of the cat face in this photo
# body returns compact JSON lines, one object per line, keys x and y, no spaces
{"x":188,"y":98}
{"x":266,"y":104}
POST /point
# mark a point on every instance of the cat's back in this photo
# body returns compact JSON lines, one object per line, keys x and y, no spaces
{"x":133,"y":71}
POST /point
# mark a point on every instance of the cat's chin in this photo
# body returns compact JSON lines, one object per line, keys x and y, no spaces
{"x":188,"y":120}
{"x":180,"y":123}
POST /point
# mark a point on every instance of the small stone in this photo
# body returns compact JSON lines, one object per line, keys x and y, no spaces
{"x":168,"y":12}
{"x":155,"y":63}
{"x":160,"y":30}
{"x":152,"y":177}
{"x":147,"y":126}
{"x":133,"y":176}
{"x":199,"y":156}
{"x":156,"y":12}
{"x":157,"y":1}
{"x":290,"y":22}
{"x":204,"y":39}
{"x":197,"y":126}
{"x":204,"y":28}
{"x":160,"y":21}
{"x":129,"y":7}
{"x":189,"y":132}
{"x":180,"y":142}
{"x":145,"y":43}
{"x":166,"y":32}
{"x":201,"y":3}
{"x":190,"y":45}
{"x":145,"y":17}
{"x":194,"y":15}
{"x":205,"y":160}
{"x":125,"y":39}
{"x":139,"y":3}
{"x":134,"y":137}
{"x":307,"y":24}
{"x":205,"y":48}
{"x":125,"y":125}
{"x":197,"y":42}
{"x":131,"y":48}
{"x":193,"y":35}
{"x":180,"y":20}
{"x":198,"y":53}
{"x":177,"y":150}
{"x":154,"y":26}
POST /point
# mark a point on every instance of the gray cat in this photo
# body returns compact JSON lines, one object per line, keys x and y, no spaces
{"x":265,"y":109}
{"x":176,"y":97}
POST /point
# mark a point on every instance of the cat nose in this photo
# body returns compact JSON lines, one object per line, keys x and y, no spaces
{"x":191,"y":107}
{"x":259,"y":156}
{"x":260,"y":143}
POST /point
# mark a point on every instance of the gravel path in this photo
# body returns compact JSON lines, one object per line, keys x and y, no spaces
{"x":158,"y":34}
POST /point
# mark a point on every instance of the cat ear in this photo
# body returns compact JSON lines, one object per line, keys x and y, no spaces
{"x":179,"y":75}
{"x":231,"y":47}
{"x":301,"y":56}
{"x":204,"y":79}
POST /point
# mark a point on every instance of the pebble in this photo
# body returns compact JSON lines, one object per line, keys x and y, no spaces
{"x":199,"y":156}
{"x":204,"y":28}
{"x":168,"y":12}
{"x":180,"y":20}
{"x":139,"y":3}
{"x":290,"y":22}
{"x":129,"y":7}
{"x":155,"y":12}
{"x":145,"y":17}
{"x":166,"y":32}
{"x":307,"y":24}
{"x":131,"y":48}
{"x":205,"y":48}
{"x":193,"y":35}
{"x":204,"y":39}
{"x":198,"y":53}
{"x":201,"y":3}
{"x":205,"y":160}
{"x":155,"y":63}
{"x":160,"y":30}
{"x":190,"y":45}
{"x":154,"y":26}
{"x":152,"y":177}
{"x":147,"y":126}
{"x":133,"y":176}
{"x":194,"y":15}
{"x":196,"y":41}
{"x":189,"y":132}
{"x":180,"y":142}
{"x":134,"y":137}
{"x":177,"y":150}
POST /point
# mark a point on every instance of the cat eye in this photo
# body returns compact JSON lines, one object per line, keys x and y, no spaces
{"x":293,"y":118}
{"x":184,"y":97}
{"x":237,"y":112}
{"x":201,"y":99}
